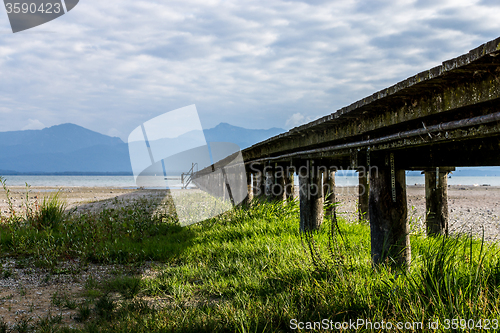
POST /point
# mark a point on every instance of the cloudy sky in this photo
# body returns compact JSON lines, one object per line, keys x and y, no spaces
{"x":111,"y":65}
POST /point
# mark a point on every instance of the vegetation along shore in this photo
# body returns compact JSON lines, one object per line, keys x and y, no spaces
{"x":116,"y":260}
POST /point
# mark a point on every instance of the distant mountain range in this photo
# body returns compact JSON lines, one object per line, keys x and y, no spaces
{"x":243,"y":137}
{"x":72,"y":149}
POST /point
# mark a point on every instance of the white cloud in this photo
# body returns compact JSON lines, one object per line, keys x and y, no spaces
{"x":250,"y":63}
{"x":34,"y":124}
{"x":297,"y":119}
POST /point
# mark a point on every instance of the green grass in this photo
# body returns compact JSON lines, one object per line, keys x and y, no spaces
{"x":250,"y":270}
{"x":49,"y":214}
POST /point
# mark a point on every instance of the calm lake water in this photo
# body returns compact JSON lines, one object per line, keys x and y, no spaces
{"x":84,"y":181}
{"x":128,"y":181}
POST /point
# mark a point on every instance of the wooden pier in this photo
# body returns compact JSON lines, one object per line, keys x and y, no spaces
{"x":437,"y":120}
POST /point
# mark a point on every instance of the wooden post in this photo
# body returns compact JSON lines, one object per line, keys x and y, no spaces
{"x":279,"y":192}
{"x":363,"y":194}
{"x":269,"y":172}
{"x":436,"y":202}
{"x":311,"y":200}
{"x":329,"y":193}
{"x":289,"y":186}
{"x":262,"y":184}
{"x":256,"y":189}
{"x":223,"y":187}
{"x":390,"y":232}
{"x":258,"y":184}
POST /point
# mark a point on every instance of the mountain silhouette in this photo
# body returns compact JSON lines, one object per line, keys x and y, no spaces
{"x":56,"y":139}
{"x":69,"y":148}
{"x":243,"y":137}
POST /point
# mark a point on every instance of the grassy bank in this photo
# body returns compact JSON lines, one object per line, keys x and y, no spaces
{"x":250,"y":270}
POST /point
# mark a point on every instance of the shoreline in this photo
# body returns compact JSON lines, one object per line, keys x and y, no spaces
{"x":471,"y":208}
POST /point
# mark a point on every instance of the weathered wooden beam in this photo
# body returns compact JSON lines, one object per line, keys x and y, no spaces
{"x":329,"y":194}
{"x":426,"y":106}
{"x":438,"y":151}
{"x":390,"y":234}
{"x":478,"y":152}
{"x":484,"y":126}
{"x":436,"y":202}
{"x":436,"y":92}
{"x":311,"y":199}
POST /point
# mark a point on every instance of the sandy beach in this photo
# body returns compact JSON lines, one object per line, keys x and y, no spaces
{"x":471,"y":208}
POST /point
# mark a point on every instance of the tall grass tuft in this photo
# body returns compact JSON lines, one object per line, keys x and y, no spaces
{"x":332,"y":255}
{"x":49,"y":214}
{"x":454,"y":277}
{"x":13,"y":215}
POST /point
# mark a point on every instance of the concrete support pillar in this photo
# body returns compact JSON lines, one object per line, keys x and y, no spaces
{"x":436,"y":202}
{"x":289,"y":186}
{"x":329,"y":193}
{"x":390,"y":232}
{"x":311,"y":200}
{"x":363,"y":194}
